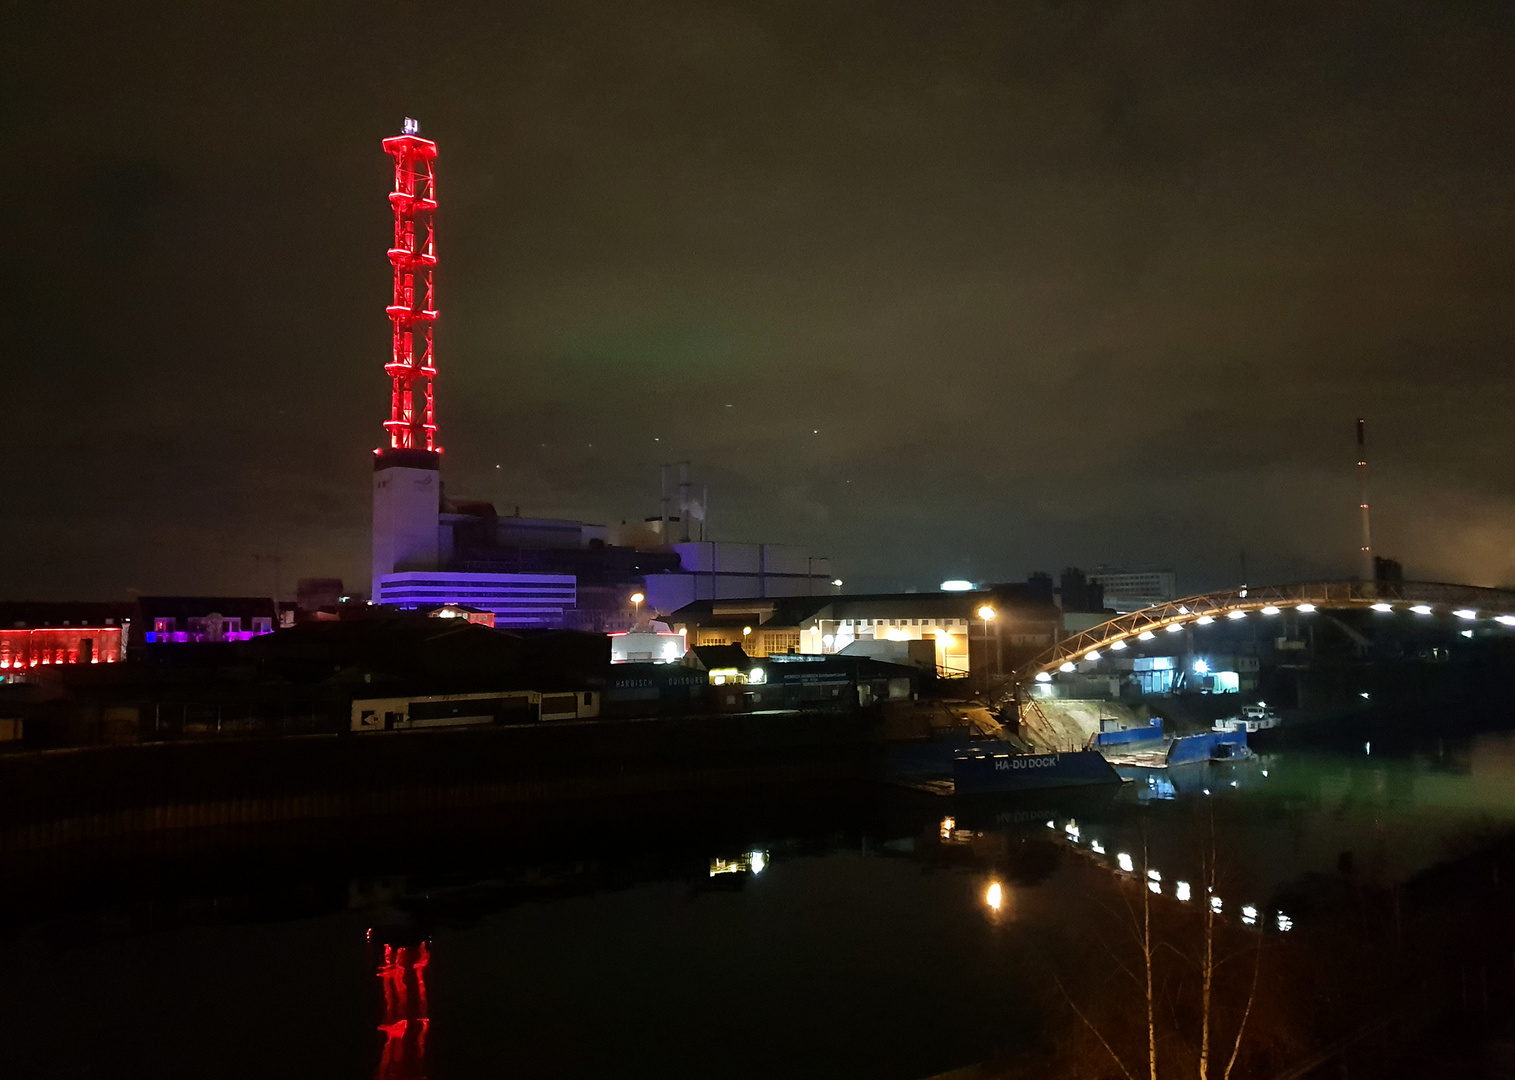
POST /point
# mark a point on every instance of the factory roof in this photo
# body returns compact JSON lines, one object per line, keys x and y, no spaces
{"x":777,"y":611}
{"x":418,"y":651}
{"x":712,"y":657}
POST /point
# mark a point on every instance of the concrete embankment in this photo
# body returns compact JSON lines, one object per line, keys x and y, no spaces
{"x":1055,"y":724}
{"x":104,"y":793}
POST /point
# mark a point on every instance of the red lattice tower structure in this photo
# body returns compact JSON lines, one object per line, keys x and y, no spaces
{"x":412,"y":423}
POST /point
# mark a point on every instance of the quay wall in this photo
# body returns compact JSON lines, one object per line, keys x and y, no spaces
{"x":103,"y":793}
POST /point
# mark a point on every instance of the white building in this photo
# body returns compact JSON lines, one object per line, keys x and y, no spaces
{"x":407,"y":504}
{"x":1128,"y":589}
{"x":722,"y":570}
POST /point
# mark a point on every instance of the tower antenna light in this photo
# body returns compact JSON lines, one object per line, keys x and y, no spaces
{"x":1366,"y":552}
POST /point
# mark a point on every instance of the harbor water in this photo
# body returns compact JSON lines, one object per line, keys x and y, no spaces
{"x":809,"y":931}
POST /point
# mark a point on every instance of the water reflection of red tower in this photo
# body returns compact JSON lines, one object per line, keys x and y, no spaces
{"x":403,"y":973}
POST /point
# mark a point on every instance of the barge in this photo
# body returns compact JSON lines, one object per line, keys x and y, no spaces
{"x":982,"y":771}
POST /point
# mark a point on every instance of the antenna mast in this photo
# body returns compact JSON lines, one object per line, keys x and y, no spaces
{"x":412,"y":423}
{"x":1366,"y":568}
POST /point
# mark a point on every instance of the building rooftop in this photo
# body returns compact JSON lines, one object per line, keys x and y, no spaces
{"x":780,"y":611}
{"x":30,"y":614}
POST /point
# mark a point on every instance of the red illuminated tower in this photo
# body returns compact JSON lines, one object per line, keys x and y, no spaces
{"x":412,"y":423}
{"x":407,"y":483}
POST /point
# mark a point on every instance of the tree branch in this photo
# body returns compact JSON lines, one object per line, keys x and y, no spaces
{"x":1088,"y":1024}
{"x":1251,"y":994}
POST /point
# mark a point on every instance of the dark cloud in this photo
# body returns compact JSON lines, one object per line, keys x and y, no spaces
{"x":950,"y":289}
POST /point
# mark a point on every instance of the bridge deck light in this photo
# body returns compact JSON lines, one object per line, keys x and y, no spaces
{"x":1271,"y":609}
{"x":1383,"y":607}
{"x":1145,"y":635}
{"x":1465,"y":613}
{"x":1505,"y":620}
{"x":1092,"y":654}
{"x":1042,"y":676}
{"x":1306,"y":608}
{"x":1066,"y":665}
{"x":1175,"y":628}
{"x":1120,"y":646}
{"x":1422,"y":609}
{"x":1236,"y":614}
{"x":1205,"y":620}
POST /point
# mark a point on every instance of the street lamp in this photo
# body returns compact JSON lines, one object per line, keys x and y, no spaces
{"x":636,"y":604}
{"x":986,"y":613}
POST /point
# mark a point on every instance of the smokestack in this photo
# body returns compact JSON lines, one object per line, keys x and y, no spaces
{"x":1366,"y":553}
{"x":663,"y":528}
{"x":684,"y":501}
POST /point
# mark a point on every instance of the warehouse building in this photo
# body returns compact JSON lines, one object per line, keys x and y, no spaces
{"x":982,"y":632}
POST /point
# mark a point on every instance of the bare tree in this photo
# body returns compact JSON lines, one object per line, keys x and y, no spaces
{"x":1156,"y":980}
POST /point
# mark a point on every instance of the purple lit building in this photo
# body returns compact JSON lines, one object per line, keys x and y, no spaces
{"x":177,"y":620}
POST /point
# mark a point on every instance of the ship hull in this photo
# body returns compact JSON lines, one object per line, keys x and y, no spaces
{"x":984,"y":772}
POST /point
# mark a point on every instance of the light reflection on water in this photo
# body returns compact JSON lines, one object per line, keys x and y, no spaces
{"x":1287,"y":823}
{"x":406,"y":1020}
{"x":831,"y":932}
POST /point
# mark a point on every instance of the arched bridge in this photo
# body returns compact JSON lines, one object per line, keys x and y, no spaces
{"x":1467,"y":603}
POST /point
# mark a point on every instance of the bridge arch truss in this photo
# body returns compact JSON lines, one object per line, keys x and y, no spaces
{"x":1467,"y":603}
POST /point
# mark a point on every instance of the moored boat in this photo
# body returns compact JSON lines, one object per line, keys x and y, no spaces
{"x":982,"y":771}
{"x":1228,"y":745}
{"x":1251,"y":719}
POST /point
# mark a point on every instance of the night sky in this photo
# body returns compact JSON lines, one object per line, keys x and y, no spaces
{"x":940,"y":289}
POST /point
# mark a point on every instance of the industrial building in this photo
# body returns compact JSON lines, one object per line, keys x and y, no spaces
{"x":34,"y":635}
{"x":431,"y":549}
{"x":64,"y":633}
{"x":983,"y":632}
{"x":179,"y":620}
{"x":1128,"y":589}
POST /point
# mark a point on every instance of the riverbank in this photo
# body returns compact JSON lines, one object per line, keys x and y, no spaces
{"x":103,"y":793}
